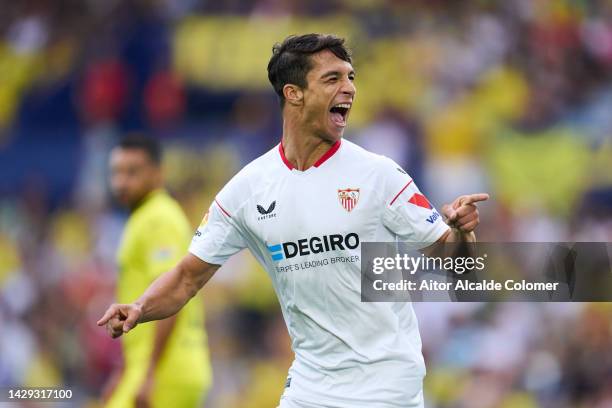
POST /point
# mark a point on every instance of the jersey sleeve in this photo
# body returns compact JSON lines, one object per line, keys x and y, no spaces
{"x":218,"y":237}
{"x":408,"y":213}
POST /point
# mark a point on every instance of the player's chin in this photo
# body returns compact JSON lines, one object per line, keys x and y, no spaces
{"x":333,"y":135}
{"x":125,"y":200}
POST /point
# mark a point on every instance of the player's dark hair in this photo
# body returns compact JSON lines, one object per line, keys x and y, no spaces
{"x":290,"y":60}
{"x":141,"y":142}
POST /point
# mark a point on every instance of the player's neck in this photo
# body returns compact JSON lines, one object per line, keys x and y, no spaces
{"x":303,"y":149}
{"x":146,"y":197}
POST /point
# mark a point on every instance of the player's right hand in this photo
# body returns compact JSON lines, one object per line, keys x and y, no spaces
{"x":120,"y":319}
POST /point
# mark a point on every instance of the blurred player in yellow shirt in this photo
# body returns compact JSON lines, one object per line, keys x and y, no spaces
{"x":166,"y":364}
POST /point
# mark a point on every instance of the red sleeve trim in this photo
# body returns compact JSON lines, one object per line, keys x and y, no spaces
{"x":223,"y":209}
{"x":398,"y":194}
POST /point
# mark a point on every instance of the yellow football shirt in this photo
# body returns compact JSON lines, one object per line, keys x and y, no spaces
{"x":155,"y":238}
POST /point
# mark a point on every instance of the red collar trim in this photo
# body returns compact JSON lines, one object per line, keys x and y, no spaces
{"x":332,"y":150}
{"x":282,"y":154}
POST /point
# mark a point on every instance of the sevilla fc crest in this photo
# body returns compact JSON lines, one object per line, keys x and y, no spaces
{"x":348,"y":198}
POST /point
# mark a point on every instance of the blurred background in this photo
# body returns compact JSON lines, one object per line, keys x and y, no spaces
{"x":509,"y":97}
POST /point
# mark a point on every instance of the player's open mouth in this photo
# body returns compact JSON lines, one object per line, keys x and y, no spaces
{"x":339,"y":113}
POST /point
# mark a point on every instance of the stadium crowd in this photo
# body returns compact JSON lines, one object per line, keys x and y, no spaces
{"x":509,"y":97}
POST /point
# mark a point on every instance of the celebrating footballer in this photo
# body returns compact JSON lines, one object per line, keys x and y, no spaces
{"x":317,"y":196}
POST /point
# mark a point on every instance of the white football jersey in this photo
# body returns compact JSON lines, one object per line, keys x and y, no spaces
{"x":306,"y":228}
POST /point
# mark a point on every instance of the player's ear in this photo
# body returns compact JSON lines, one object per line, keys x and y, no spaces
{"x":293,"y":94}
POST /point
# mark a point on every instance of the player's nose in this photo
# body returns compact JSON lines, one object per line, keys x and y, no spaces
{"x":348,"y":88}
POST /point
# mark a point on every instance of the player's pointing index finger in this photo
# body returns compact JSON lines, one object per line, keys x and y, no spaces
{"x":110,"y":312}
{"x":474,"y":198}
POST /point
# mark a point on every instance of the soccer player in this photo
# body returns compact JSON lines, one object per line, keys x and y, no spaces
{"x":165,"y":364}
{"x":303,"y":209}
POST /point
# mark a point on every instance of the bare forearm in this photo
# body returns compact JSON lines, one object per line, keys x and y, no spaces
{"x":166,"y":295}
{"x":459,"y":244}
{"x":172,"y":290}
{"x":453,"y":243}
{"x":454,"y":235}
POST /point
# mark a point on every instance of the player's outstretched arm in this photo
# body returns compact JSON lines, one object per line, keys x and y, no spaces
{"x":163,"y":298}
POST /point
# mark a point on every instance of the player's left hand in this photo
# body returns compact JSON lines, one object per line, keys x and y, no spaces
{"x":462,"y":214}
